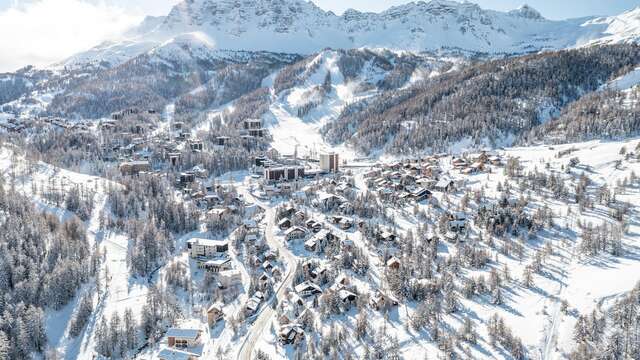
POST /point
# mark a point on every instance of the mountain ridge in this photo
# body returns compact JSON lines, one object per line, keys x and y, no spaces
{"x":301,"y":27}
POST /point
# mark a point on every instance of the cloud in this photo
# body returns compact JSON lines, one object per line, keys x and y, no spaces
{"x":42,"y":32}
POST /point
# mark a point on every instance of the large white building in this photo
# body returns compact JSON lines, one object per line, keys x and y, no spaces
{"x":329,"y":162}
{"x":205,"y":248}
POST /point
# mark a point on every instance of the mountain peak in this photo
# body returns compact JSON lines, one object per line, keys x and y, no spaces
{"x":527,"y":12}
{"x":301,"y":27}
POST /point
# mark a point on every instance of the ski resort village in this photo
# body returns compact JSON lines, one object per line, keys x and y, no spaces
{"x":265,"y":179}
{"x":312,"y":255}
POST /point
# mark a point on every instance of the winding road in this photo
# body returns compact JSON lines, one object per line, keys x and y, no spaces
{"x":266,"y":314}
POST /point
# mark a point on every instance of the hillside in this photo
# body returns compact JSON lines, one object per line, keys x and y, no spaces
{"x":483,"y":105}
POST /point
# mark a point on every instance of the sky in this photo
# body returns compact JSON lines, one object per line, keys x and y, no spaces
{"x":42,"y":32}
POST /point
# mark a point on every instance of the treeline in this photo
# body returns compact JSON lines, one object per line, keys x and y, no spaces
{"x":485,"y":102}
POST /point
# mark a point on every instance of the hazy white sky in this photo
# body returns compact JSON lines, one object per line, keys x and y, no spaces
{"x":41,"y":32}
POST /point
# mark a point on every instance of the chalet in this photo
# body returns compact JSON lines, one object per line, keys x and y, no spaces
{"x":248,"y":140}
{"x":182,"y":338}
{"x":459,"y":163}
{"x":483,"y":158}
{"x":347,"y":245}
{"x":307,"y":289}
{"x":420,"y":194}
{"x":319,"y":240}
{"x":284,"y":223}
{"x":386,"y":236}
{"x":309,"y":223}
{"x":426,"y":182}
{"x":342,"y":280}
{"x":469,"y":171}
{"x":262,"y":161}
{"x":200,"y":172}
{"x":346,"y":223}
{"x":431,"y":171}
{"x":457,"y":222}
{"x":477,"y":166}
{"x":300,"y":215}
{"x":407,"y":179}
{"x":252,"y":305}
{"x":381,"y":301}
{"x":267,"y":265}
{"x":347,"y":297}
{"x":134,"y":167}
{"x":214,"y":313}
{"x":264,"y":281}
{"x":107,"y":125}
{"x":318,"y":272}
{"x":451,"y":236}
{"x":290,"y":334}
{"x":313,"y":225}
{"x":140,"y":129}
{"x":495,"y":160}
{"x":329,"y":201}
{"x":295,"y":232}
{"x":346,"y":208}
{"x":343,"y":187}
{"x":212,"y":200}
{"x":314,"y":244}
{"x":394,"y":166}
{"x":270,"y":255}
{"x":393,"y":263}
{"x":218,"y":214}
{"x":457,"y":226}
{"x":296,"y":301}
{"x":205,"y":248}
{"x":288,"y":314}
{"x":445,"y":185}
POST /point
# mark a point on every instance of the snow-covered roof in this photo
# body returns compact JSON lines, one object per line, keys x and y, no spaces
{"x":208,"y":242}
{"x":174,"y":354}
{"x":190,"y":334}
{"x":217,"y":262}
{"x":215,"y":307}
{"x":443,"y":182}
{"x":293,"y":229}
{"x":307,"y":286}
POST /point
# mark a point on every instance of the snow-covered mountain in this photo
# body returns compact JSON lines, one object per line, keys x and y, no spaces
{"x":621,"y":28}
{"x":301,"y":27}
